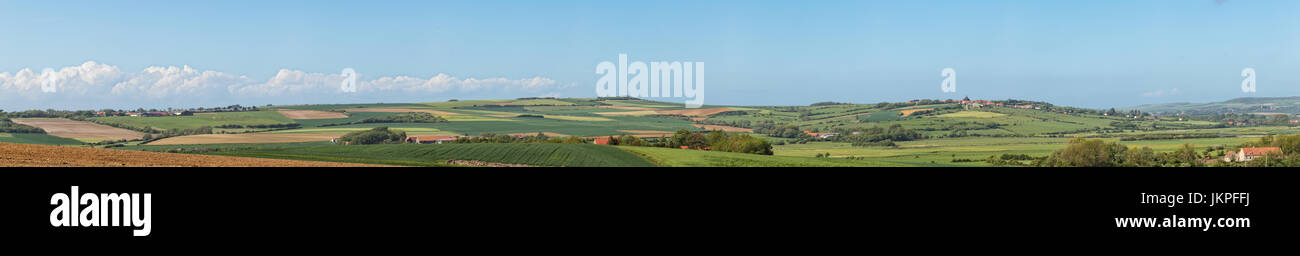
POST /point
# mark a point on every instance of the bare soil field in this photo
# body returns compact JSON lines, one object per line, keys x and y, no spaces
{"x":311,"y":114}
{"x":64,"y":156}
{"x":910,"y":111}
{"x":79,"y":130}
{"x":246,"y":138}
{"x":724,"y":128}
{"x":399,"y":110}
{"x":695,"y":112}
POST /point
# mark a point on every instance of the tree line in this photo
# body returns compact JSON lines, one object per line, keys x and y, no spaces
{"x":1082,"y":152}
{"x":715,"y":140}
{"x":8,"y":126}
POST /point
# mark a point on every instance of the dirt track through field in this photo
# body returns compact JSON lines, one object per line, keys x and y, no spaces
{"x":66,"y":156}
{"x":79,"y":130}
{"x":246,"y":138}
{"x":311,"y":114}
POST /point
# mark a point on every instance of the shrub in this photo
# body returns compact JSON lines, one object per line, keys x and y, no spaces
{"x":378,"y":135}
{"x":411,"y":117}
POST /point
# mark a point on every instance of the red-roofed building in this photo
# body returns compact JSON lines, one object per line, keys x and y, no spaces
{"x":601,"y":141}
{"x":431,"y":139}
{"x":1247,"y":154}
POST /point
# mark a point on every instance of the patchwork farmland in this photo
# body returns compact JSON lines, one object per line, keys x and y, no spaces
{"x":938,"y":133}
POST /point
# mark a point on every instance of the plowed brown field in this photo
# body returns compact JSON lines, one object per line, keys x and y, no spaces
{"x":64,"y":156}
{"x":79,"y":130}
{"x":910,"y":111}
{"x":311,"y":114}
{"x":695,"y":112}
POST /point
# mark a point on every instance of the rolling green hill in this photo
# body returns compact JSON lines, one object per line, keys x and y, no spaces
{"x":1287,"y":105}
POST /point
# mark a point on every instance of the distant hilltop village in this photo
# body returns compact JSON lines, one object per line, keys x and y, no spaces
{"x":174,"y":112}
{"x":981,"y":103}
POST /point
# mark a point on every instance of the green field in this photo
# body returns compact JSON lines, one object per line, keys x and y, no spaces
{"x":687,"y":158}
{"x":942,"y":152}
{"x":427,"y":154}
{"x":199,"y":120}
{"x":542,"y":102}
{"x":348,"y":106}
{"x":928,"y":152}
{"x":37,"y":138}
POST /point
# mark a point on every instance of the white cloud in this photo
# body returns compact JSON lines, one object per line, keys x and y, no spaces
{"x":94,"y":85}
{"x":291,"y":83}
{"x":165,"y":82}
{"x":87,"y":78}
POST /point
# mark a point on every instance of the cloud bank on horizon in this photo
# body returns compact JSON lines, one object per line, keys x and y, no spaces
{"x":94,"y":85}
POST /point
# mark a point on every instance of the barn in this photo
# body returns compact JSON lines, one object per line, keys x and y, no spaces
{"x":431,"y":139}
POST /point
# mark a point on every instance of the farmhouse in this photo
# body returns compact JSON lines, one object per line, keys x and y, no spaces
{"x":1247,"y":154}
{"x":601,"y":141}
{"x":147,"y":113}
{"x":182,"y":113}
{"x":435,"y":139}
{"x":820,"y":135}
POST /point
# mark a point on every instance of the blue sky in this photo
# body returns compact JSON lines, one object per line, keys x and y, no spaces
{"x":1080,"y":53}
